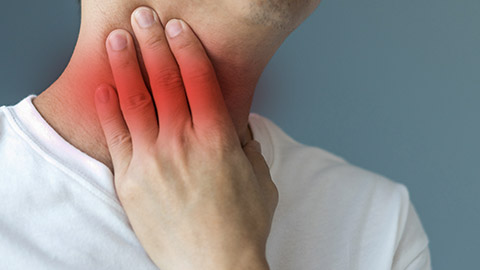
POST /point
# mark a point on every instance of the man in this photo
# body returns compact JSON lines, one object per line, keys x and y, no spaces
{"x":59,"y":209}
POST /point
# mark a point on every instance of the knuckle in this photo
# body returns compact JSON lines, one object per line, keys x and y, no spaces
{"x":137,"y":102}
{"x":187,"y":45}
{"x":125,"y":61}
{"x":109,"y":120}
{"x":154,"y":42}
{"x":168,"y":78}
{"x":119,"y":139}
{"x":203,"y":71}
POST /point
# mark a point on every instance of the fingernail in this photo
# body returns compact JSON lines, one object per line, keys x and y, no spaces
{"x":103,"y":94}
{"x":174,"y":28}
{"x":117,"y":40}
{"x":144,"y":17}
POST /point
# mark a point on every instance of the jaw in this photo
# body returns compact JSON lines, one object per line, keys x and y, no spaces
{"x":242,"y":29}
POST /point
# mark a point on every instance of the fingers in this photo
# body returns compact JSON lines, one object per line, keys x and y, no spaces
{"x":184,"y":84}
{"x":206,"y":101}
{"x":164,"y":75}
{"x":135,"y":100}
{"x":113,"y":125}
{"x":254,"y":154}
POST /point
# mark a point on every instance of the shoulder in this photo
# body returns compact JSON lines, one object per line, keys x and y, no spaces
{"x":304,"y":167}
{"x":316,"y":164}
{"x":368,"y":208}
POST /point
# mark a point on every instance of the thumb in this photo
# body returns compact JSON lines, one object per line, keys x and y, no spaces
{"x":113,"y":125}
{"x":253,"y":151}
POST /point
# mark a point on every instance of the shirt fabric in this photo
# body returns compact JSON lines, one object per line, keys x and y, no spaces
{"x":59,"y":210}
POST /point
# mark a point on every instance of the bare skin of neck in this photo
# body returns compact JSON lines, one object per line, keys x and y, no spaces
{"x":239,"y":51}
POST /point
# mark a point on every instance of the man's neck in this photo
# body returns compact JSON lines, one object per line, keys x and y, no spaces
{"x":68,"y":104}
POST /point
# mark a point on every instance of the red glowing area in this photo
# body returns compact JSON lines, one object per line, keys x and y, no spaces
{"x":185,"y":93}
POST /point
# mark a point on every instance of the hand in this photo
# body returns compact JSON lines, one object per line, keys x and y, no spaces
{"x":194,"y":197}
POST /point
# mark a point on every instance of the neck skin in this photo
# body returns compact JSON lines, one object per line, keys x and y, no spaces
{"x":239,"y":51}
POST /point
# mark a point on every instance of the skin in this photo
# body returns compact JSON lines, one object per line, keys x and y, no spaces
{"x":240,"y":37}
{"x":184,"y":171}
{"x":194,"y":197}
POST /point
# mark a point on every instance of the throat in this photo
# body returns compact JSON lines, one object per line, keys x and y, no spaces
{"x":68,"y":105}
{"x":74,"y":118}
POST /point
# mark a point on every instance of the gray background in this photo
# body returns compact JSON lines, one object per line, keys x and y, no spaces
{"x":392,"y":86}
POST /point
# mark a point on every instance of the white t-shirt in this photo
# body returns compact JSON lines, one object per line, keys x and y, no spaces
{"x":59,"y":210}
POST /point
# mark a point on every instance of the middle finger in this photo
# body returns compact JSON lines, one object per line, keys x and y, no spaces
{"x":164,"y":75}
{"x":135,"y":100}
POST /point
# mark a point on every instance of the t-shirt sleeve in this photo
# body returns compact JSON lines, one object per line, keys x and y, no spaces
{"x":412,"y":252}
{"x":422,"y":261}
